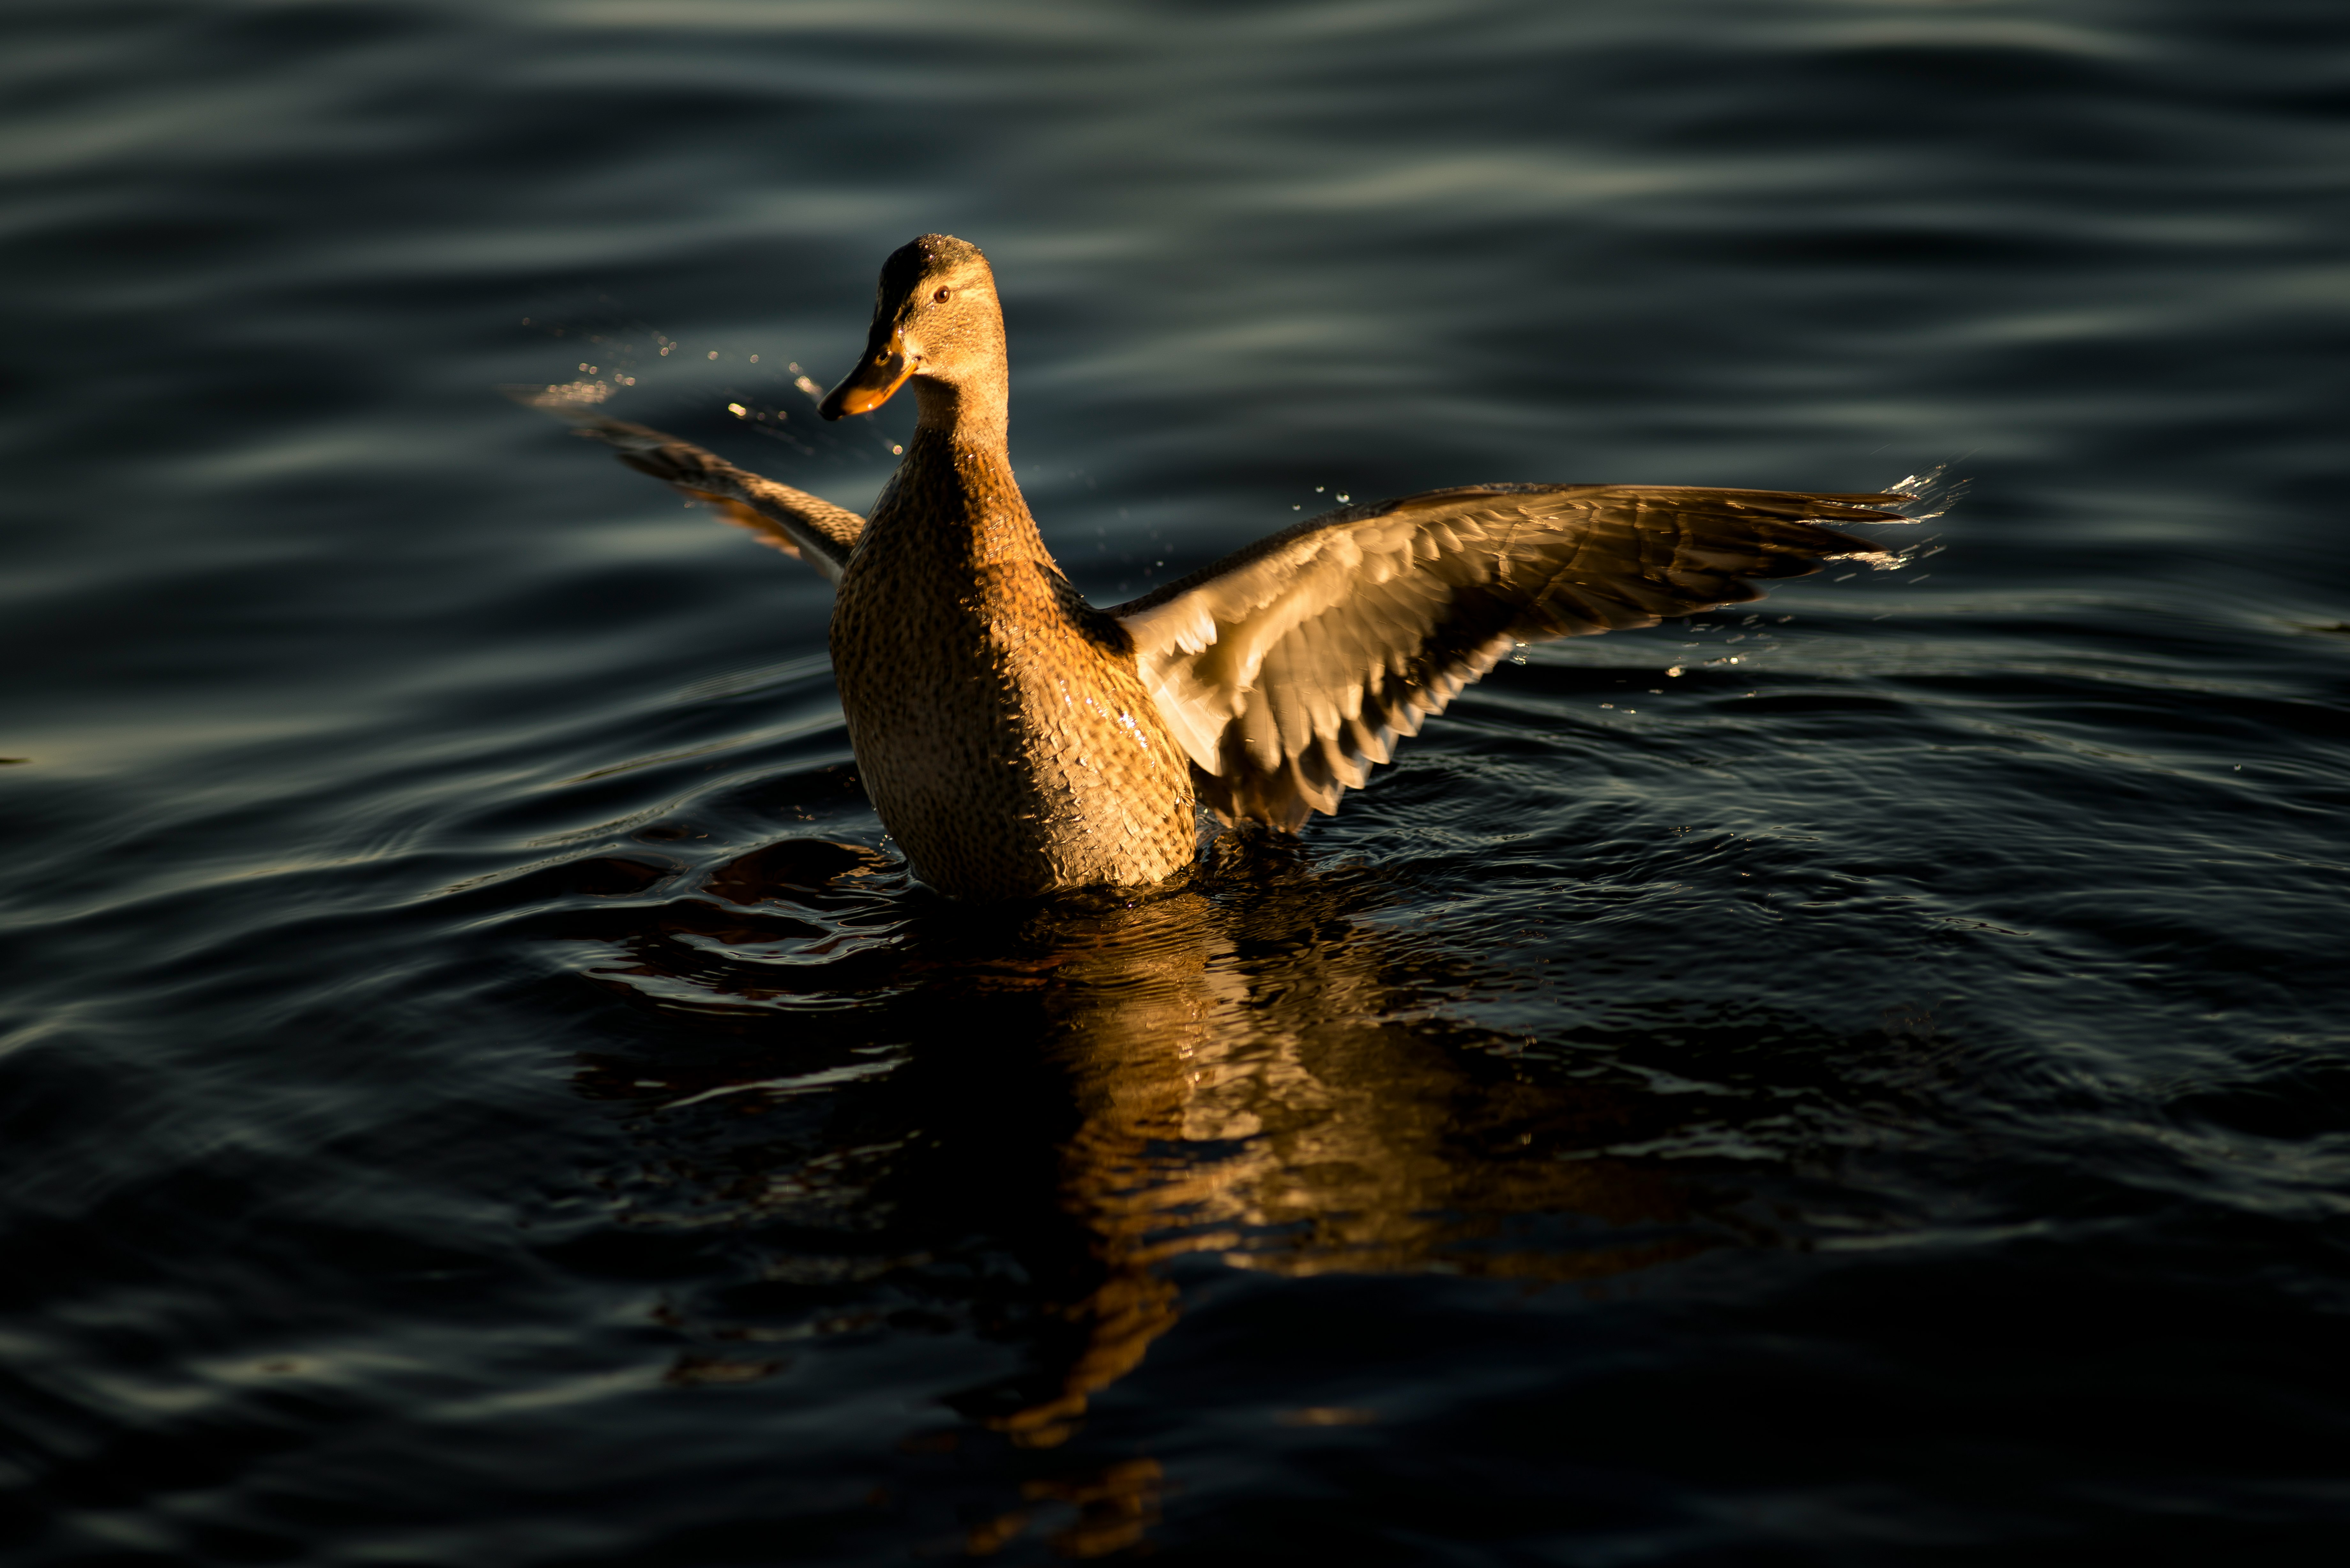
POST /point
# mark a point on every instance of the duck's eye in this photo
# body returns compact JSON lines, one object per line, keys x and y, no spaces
{"x":941,"y":296}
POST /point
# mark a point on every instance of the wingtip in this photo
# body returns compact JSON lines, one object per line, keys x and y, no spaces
{"x":570,"y":401}
{"x":1923,"y":497}
{"x":580,"y":412}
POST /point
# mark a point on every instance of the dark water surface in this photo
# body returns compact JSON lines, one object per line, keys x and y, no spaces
{"x":480,"y":1089}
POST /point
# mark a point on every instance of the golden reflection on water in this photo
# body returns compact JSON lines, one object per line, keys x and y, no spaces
{"x":1257,"y":1099}
{"x":1256,"y":1069}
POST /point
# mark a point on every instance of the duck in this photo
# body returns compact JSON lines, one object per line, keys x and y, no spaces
{"x":1018,"y":742}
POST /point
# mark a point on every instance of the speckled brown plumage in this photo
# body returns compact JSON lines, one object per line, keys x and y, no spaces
{"x":1017,"y":741}
{"x":1002,"y":733}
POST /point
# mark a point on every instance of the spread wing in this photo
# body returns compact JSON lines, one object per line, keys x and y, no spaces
{"x":1288,"y":670}
{"x":793,"y":521}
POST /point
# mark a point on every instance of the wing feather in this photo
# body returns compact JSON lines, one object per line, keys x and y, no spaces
{"x":1288,"y":670}
{"x":793,"y":521}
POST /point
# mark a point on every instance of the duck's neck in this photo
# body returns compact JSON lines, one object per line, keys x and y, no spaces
{"x":954,"y":493}
{"x":977,"y":412}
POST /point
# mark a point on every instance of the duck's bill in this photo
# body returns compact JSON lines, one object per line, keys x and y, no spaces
{"x":876,"y":377}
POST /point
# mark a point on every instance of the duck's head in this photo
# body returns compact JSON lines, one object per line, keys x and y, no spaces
{"x":936,"y":321}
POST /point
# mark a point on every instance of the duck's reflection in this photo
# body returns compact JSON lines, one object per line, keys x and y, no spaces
{"x":1256,"y":1068}
{"x":1248,"y":1082}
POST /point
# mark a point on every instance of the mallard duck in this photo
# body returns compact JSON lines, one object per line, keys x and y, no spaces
{"x":1017,"y":741}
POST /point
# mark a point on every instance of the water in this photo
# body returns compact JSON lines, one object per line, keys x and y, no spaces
{"x":481,"y":1089}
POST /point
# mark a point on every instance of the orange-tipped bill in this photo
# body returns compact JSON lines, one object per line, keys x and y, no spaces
{"x":877,"y":376}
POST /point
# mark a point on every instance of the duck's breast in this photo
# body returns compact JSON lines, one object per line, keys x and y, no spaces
{"x":1003,"y":735}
